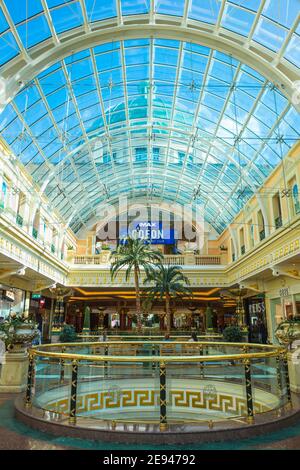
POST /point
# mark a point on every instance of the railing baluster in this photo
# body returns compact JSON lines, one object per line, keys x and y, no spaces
{"x":201,"y":363}
{"x":30,"y":376}
{"x":105,"y":362}
{"x":287,"y":379}
{"x":278,"y":374}
{"x":62,"y":368}
{"x":249,"y":397}
{"x":162,"y":397}
{"x":73,"y":399}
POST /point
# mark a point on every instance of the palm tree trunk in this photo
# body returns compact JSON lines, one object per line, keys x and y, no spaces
{"x":168,"y":314}
{"x":138,"y":300}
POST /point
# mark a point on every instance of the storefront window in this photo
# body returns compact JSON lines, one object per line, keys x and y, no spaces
{"x":11,"y":301}
{"x":256,"y":313}
{"x":297,"y":304}
{"x":3,"y":194}
{"x":296,"y":198}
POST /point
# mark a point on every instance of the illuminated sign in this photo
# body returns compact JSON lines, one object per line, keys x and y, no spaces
{"x":154,"y":232}
{"x":36,"y":296}
{"x":9,"y":295}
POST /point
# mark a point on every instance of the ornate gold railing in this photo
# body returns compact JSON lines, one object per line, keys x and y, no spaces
{"x":72,"y":373}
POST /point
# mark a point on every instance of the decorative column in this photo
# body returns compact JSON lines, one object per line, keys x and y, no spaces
{"x":101,"y":318}
{"x":51,"y":319}
{"x":209,"y":320}
{"x":129,"y":321}
{"x":87,"y":321}
{"x":59,"y":293}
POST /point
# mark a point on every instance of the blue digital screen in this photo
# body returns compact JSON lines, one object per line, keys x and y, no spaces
{"x":156,"y":233}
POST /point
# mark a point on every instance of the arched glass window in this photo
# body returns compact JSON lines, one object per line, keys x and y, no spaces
{"x":296,"y":198}
{"x":3,"y":194}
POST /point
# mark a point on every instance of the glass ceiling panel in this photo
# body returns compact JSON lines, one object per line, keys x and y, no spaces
{"x":208,"y":122}
{"x":268,"y":25}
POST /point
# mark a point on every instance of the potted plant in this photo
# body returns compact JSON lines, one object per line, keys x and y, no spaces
{"x":68,"y":334}
{"x":19,"y":331}
{"x":233,"y":334}
{"x":288,"y":331}
{"x":105,"y":247}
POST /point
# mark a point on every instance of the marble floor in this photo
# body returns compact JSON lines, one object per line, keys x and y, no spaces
{"x":16,"y":436}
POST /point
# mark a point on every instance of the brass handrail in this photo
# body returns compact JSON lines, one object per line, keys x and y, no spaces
{"x":194,"y":343}
{"x":243,"y":357}
{"x":272,"y":351}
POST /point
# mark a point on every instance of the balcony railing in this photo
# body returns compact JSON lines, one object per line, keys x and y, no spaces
{"x":243,"y":249}
{"x":179,"y":260}
{"x":173,"y":260}
{"x":207,"y":260}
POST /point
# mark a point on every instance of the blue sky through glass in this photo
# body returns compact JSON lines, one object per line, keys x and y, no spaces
{"x":181,"y":107}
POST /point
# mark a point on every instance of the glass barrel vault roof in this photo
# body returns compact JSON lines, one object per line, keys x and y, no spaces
{"x":149,"y":117}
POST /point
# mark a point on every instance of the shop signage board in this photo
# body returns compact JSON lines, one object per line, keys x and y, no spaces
{"x":284,"y":292}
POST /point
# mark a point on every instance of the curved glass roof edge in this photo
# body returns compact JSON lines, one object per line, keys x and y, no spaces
{"x":214,"y":127}
{"x":270,"y":23}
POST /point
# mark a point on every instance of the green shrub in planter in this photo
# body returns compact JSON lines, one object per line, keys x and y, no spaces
{"x":68,"y":334}
{"x":233,"y":334}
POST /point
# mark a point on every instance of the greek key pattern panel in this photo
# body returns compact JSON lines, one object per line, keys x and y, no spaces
{"x":96,"y":401}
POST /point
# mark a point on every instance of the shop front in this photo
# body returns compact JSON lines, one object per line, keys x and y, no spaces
{"x":40,"y":311}
{"x":256,"y":319}
{"x":282,"y":303}
{"x":12,"y":300}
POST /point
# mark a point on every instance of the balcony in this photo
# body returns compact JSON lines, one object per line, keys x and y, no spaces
{"x":278,"y":222}
{"x":186,"y":259}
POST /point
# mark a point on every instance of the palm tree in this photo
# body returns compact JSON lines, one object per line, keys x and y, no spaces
{"x":135,"y":254}
{"x":169,"y":283}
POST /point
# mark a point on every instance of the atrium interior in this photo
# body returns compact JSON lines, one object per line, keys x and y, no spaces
{"x":149,"y":224}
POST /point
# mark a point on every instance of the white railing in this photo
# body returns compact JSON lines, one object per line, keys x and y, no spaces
{"x":174,"y":260}
{"x":177,"y":260}
{"x":103,"y":258}
{"x":207,"y":260}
